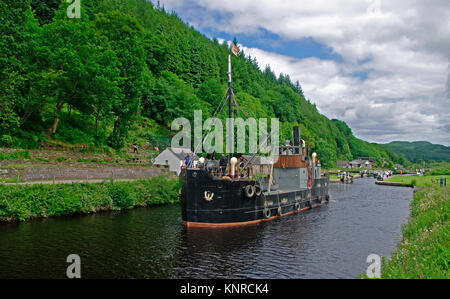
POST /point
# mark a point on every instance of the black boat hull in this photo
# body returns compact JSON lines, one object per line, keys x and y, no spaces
{"x":208,"y":201}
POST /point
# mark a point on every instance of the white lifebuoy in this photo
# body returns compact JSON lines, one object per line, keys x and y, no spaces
{"x":258,"y":190}
{"x":249,"y":191}
{"x":297,"y":206}
{"x":267,"y":212}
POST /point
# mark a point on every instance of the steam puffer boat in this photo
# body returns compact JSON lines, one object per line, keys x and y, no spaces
{"x":211,"y":200}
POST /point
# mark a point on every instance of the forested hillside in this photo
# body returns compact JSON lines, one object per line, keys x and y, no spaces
{"x":123,"y":71}
{"x":421,"y":151}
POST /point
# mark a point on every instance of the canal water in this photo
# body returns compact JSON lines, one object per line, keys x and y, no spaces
{"x":332,"y":241}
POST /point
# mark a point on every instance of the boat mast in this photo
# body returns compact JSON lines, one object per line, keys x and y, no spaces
{"x":230,"y":111}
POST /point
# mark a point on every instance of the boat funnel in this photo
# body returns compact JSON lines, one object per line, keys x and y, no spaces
{"x":297,"y":139}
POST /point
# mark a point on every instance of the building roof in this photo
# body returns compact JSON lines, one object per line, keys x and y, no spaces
{"x":366,"y":159}
{"x":180,"y":149}
{"x":179,"y":152}
{"x":359,"y":161}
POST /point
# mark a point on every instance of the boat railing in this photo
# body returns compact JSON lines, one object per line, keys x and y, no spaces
{"x":221,"y":172}
{"x":291,"y":150}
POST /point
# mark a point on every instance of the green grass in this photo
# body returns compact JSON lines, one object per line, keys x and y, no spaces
{"x":419,"y":180}
{"x":424,"y":251}
{"x":10,"y":180}
{"x":18,"y":155}
{"x":25,"y":202}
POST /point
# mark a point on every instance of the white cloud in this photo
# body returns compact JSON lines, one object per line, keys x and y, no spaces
{"x":403,"y":46}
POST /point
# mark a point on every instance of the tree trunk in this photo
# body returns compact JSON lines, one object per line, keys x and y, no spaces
{"x":54,"y":125}
{"x":52,"y":129}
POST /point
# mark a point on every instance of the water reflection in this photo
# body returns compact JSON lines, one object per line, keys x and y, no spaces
{"x":329,"y":242}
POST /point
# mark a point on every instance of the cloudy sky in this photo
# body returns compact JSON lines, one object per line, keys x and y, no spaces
{"x":381,"y":66}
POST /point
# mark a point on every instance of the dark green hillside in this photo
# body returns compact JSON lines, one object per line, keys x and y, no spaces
{"x":122,"y":72}
{"x":420,"y":151}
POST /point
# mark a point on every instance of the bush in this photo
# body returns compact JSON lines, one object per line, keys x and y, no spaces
{"x":6,"y":140}
{"x":24,"y":202}
{"x":75,"y":130}
{"x":18,"y":155}
{"x":120,"y":196}
{"x":116,"y":140}
{"x":27,"y":140}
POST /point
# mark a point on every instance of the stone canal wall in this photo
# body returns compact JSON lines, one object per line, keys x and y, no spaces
{"x":60,"y":172}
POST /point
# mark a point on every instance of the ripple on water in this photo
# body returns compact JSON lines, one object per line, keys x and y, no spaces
{"x":332,"y":241}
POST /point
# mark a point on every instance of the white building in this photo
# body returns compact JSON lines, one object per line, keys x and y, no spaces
{"x":172,"y":156}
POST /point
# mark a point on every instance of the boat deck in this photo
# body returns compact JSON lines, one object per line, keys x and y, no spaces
{"x":278,"y":191}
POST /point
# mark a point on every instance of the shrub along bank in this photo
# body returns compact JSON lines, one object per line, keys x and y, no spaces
{"x":424,"y":251}
{"x":25,"y":202}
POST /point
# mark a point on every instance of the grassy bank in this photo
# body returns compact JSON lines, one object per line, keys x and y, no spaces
{"x":418,"y":180}
{"x":25,"y":202}
{"x":424,"y":251}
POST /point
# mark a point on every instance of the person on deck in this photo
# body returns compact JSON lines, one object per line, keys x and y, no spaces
{"x":187,"y":160}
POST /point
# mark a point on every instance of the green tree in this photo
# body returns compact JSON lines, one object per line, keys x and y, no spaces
{"x":44,"y":10}
{"x":18,"y":30}
{"x":125,"y":36}
{"x":210,"y":91}
{"x":84,"y":68}
{"x":172,"y":98}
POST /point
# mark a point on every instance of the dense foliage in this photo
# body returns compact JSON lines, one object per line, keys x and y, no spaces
{"x":24,"y":202}
{"x":420,"y":151}
{"x":127,"y":67}
{"x":437,"y":168}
